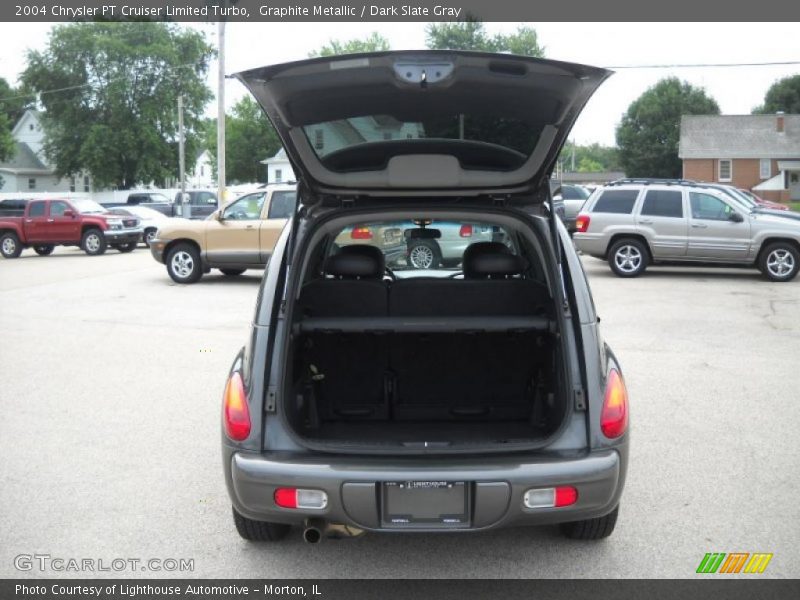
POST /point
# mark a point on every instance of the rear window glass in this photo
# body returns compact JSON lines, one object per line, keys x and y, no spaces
{"x":422,"y":247}
{"x":616,"y":201}
{"x":482,"y":141}
{"x":663,"y":203}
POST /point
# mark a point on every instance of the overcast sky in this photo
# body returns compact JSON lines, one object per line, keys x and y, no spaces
{"x":737,"y":90}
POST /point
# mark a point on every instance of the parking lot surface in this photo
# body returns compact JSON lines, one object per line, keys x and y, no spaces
{"x":111,"y":378}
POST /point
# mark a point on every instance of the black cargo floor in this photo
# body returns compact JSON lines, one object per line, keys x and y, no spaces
{"x":436,"y":433}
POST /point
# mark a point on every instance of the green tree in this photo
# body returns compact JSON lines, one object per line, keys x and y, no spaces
{"x":591,"y":158}
{"x":648,"y":135}
{"x":374,"y":43}
{"x":472,"y":35}
{"x":249,"y":139}
{"x":115,"y":115}
{"x":783,"y":95}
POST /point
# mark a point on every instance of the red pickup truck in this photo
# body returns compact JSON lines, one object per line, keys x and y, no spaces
{"x":45,"y":224}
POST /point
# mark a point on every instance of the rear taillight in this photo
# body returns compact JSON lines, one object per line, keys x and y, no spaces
{"x":298,"y":498}
{"x":361,"y":233}
{"x":582,"y":223}
{"x":235,"y":414}
{"x":465,"y":231}
{"x":564,"y":495}
{"x":614,"y":416}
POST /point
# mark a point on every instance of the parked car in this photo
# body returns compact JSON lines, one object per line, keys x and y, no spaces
{"x":239,"y":237}
{"x":574,"y":197}
{"x":149,"y":219}
{"x":633,"y":224}
{"x":746,"y":201}
{"x":13,"y":207}
{"x":446,"y":400}
{"x":46,"y":224}
{"x":388,"y":237}
{"x":765,"y":203}
{"x":201,"y":203}
{"x":446,"y":247}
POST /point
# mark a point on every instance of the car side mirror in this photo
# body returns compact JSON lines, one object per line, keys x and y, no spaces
{"x":69,"y":213}
{"x":736,"y":217}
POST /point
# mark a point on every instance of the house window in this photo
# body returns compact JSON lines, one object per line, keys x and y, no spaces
{"x":278,"y":175}
{"x":85,"y":183}
{"x":72,"y":184}
{"x":765,"y":168}
{"x":319,"y":139}
{"x":30,"y":126}
{"x":32,"y":183}
{"x":725,"y":169}
{"x":202,"y":171}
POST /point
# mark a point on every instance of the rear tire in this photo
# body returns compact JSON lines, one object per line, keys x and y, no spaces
{"x":259,"y":531}
{"x":232,"y":272}
{"x":628,"y":257}
{"x":127,"y":247}
{"x":44,"y":249}
{"x":183,"y":263}
{"x":9,"y":245}
{"x":424,"y":254}
{"x":592,"y":529}
{"x":93,"y":242}
{"x":779,"y":262}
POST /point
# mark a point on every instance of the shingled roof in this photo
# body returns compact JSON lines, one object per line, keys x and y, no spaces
{"x":24,"y":162}
{"x":739,"y":136}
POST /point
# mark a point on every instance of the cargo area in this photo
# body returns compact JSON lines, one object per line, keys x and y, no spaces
{"x":425,"y":363}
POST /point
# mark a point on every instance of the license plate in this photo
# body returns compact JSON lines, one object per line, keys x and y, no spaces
{"x":425,"y":504}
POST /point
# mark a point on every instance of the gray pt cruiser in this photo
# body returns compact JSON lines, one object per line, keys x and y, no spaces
{"x":466,"y":397}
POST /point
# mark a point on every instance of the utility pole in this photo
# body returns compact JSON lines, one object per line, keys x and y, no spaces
{"x":221,"y":116}
{"x":186,"y":209}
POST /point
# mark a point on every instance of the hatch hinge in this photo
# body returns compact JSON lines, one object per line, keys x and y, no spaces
{"x":580,"y":399}
{"x":272,"y":395}
{"x":348,"y":202}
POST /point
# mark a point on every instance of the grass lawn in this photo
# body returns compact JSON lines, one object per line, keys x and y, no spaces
{"x":795,"y":206}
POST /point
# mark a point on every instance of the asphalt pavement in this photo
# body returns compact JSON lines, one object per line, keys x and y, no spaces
{"x":111,"y":378}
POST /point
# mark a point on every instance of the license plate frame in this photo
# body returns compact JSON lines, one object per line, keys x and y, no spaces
{"x":425,"y":504}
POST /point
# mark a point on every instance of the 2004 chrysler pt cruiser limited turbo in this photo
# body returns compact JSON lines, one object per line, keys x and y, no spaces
{"x":465,"y":397}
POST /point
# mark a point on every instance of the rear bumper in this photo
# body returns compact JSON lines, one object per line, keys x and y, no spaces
{"x":354,"y":489}
{"x":590,"y":243}
{"x":157,"y":249}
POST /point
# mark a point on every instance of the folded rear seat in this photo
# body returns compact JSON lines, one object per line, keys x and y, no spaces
{"x":462,"y":375}
{"x":348,"y":372}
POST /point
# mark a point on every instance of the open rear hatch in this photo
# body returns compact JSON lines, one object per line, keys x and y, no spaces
{"x":414,"y":121}
{"x":416,"y":129}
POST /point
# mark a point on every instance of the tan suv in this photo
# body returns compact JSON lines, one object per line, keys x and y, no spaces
{"x":240,"y":237}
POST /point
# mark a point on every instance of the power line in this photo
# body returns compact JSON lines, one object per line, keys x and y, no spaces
{"x":631,"y":67}
{"x":702,"y":65}
{"x":84,"y":85}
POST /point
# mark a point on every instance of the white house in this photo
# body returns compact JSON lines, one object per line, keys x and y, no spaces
{"x":278,"y":168}
{"x":202,"y":175}
{"x":28,"y":170}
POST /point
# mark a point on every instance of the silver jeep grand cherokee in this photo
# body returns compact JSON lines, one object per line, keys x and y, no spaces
{"x":461,"y":397}
{"x":635,"y":223}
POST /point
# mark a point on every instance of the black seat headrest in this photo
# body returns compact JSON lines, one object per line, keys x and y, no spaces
{"x":490,"y":260}
{"x":357,"y":261}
